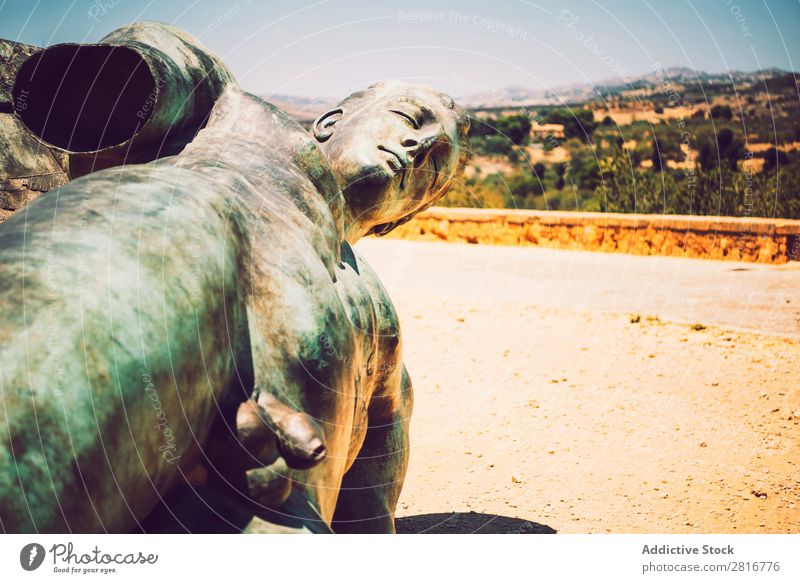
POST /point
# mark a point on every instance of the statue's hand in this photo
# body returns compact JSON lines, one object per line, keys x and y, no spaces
{"x":271,"y":437}
{"x":295,"y":439}
{"x":299,"y":438}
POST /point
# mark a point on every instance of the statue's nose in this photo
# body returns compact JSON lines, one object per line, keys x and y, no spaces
{"x":417,"y":149}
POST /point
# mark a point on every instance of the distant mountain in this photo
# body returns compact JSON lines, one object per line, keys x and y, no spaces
{"x":301,"y":108}
{"x":685,"y":79}
{"x":580,"y":92}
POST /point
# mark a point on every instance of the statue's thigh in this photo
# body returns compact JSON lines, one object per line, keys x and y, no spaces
{"x":371,"y":488}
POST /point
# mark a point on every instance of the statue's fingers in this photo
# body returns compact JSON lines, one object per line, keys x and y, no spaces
{"x":257,"y":435}
{"x":270,"y":486}
{"x":250,"y":444}
{"x":300,"y":439}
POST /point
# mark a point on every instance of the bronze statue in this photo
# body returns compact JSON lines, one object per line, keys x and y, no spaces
{"x":193,"y":314}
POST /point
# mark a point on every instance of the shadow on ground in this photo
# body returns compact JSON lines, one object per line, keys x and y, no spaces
{"x":215,"y":508}
{"x":468,"y":523}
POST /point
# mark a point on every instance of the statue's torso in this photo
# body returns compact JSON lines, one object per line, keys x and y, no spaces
{"x":323,"y":332}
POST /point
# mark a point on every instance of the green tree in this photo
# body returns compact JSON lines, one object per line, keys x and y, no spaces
{"x":560,"y":169}
{"x":655,"y":158}
{"x":516,"y":128}
{"x":494,"y":145}
{"x":722,"y":112}
{"x":774,"y":158}
{"x":585,"y":168}
{"x":618,"y":194}
{"x":480,"y":128}
{"x":577,"y":123}
{"x":725,"y":149}
{"x":523,"y":185}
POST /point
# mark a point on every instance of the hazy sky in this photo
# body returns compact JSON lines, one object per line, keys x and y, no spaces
{"x":331,"y":47}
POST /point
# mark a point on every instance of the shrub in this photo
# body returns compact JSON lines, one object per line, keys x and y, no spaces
{"x":516,"y":128}
{"x":577,"y":123}
{"x":722,"y":112}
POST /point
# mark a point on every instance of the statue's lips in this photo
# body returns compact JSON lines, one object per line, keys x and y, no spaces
{"x":396,"y":163}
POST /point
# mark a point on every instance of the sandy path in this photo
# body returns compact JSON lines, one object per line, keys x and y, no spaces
{"x":575,"y":419}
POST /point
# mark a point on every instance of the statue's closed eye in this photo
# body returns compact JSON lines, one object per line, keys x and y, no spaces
{"x":410,"y":119}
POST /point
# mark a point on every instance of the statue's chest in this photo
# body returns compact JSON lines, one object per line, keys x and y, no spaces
{"x":317,"y":334}
{"x":358,"y":306}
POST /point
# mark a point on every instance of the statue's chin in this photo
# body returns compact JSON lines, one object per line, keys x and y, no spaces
{"x":369,"y":190}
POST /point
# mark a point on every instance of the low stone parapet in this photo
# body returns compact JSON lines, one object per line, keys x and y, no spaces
{"x":727,"y":238}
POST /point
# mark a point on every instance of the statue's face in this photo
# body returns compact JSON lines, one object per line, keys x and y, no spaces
{"x":392,"y":151}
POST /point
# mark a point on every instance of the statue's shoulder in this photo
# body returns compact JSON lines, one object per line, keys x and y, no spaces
{"x":268,"y":128}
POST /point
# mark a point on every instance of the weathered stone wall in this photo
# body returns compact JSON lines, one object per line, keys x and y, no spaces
{"x":740,"y":239}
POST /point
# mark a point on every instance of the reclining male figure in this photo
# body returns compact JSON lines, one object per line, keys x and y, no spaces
{"x":143,"y":303}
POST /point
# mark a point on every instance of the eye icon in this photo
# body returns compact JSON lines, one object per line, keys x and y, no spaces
{"x":31,"y":556}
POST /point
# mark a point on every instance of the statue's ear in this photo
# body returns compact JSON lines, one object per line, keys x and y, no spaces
{"x":323,"y":127}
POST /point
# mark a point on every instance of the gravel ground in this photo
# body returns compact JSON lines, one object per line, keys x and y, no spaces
{"x":561,"y":391}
